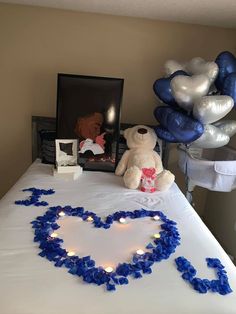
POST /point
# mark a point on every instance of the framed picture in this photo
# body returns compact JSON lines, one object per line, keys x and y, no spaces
{"x":88,"y":109}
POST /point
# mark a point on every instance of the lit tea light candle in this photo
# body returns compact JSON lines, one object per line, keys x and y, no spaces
{"x":54,"y":235}
{"x":70,"y":253}
{"x":109,"y":269}
{"x":90,"y":218}
{"x":157,"y":236}
{"x":140,"y":252}
{"x":156,"y":217}
{"x":122,"y":220}
{"x":62,"y":214}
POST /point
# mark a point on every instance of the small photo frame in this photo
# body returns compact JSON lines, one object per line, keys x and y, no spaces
{"x":66,"y":152}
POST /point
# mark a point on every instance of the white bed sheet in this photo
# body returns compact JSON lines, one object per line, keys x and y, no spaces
{"x":30,"y":284}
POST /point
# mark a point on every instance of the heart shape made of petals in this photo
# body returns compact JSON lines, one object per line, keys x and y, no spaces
{"x":162,"y":246}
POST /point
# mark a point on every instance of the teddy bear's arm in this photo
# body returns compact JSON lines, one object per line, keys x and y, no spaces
{"x":122,"y":165}
{"x":158,"y":162}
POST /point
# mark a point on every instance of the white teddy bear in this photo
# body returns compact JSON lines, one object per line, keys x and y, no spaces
{"x":141,"y":141}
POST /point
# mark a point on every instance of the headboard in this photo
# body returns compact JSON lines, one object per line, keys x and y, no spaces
{"x":40,"y":123}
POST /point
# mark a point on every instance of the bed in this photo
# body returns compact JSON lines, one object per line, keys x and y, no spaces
{"x":30,"y":284}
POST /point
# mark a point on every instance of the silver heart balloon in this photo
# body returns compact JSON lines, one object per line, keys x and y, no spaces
{"x":200,"y":66}
{"x":227,"y":126}
{"x":209,"y":109}
{"x":212,"y":137}
{"x":172,"y":66}
{"x":188,"y":89}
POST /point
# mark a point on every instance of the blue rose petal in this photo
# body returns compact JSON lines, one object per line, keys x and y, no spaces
{"x":221,"y":285}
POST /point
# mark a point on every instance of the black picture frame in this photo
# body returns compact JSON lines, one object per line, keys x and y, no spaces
{"x":89,"y":109}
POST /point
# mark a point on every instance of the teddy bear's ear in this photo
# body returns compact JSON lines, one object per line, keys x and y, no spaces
{"x":126,"y":132}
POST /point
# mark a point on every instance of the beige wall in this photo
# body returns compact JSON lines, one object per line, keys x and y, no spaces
{"x":37,"y":43}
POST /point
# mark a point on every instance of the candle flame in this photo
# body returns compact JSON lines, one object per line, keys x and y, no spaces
{"x":109,"y":269}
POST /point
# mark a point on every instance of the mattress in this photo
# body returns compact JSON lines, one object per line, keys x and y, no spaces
{"x":30,"y":284}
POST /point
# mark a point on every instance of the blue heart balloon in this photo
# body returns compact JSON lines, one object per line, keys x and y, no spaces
{"x":229,"y":87}
{"x":165,"y":135}
{"x":183,"y":128}
{"x":161,"y":113}
{"x":162,"y":88}
{"x":226,"y":62}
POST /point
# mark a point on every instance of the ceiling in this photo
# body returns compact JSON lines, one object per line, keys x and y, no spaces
{"x":205,"y":12}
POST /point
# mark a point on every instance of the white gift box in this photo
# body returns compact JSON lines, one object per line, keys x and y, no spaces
{"x":68,"y":174}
